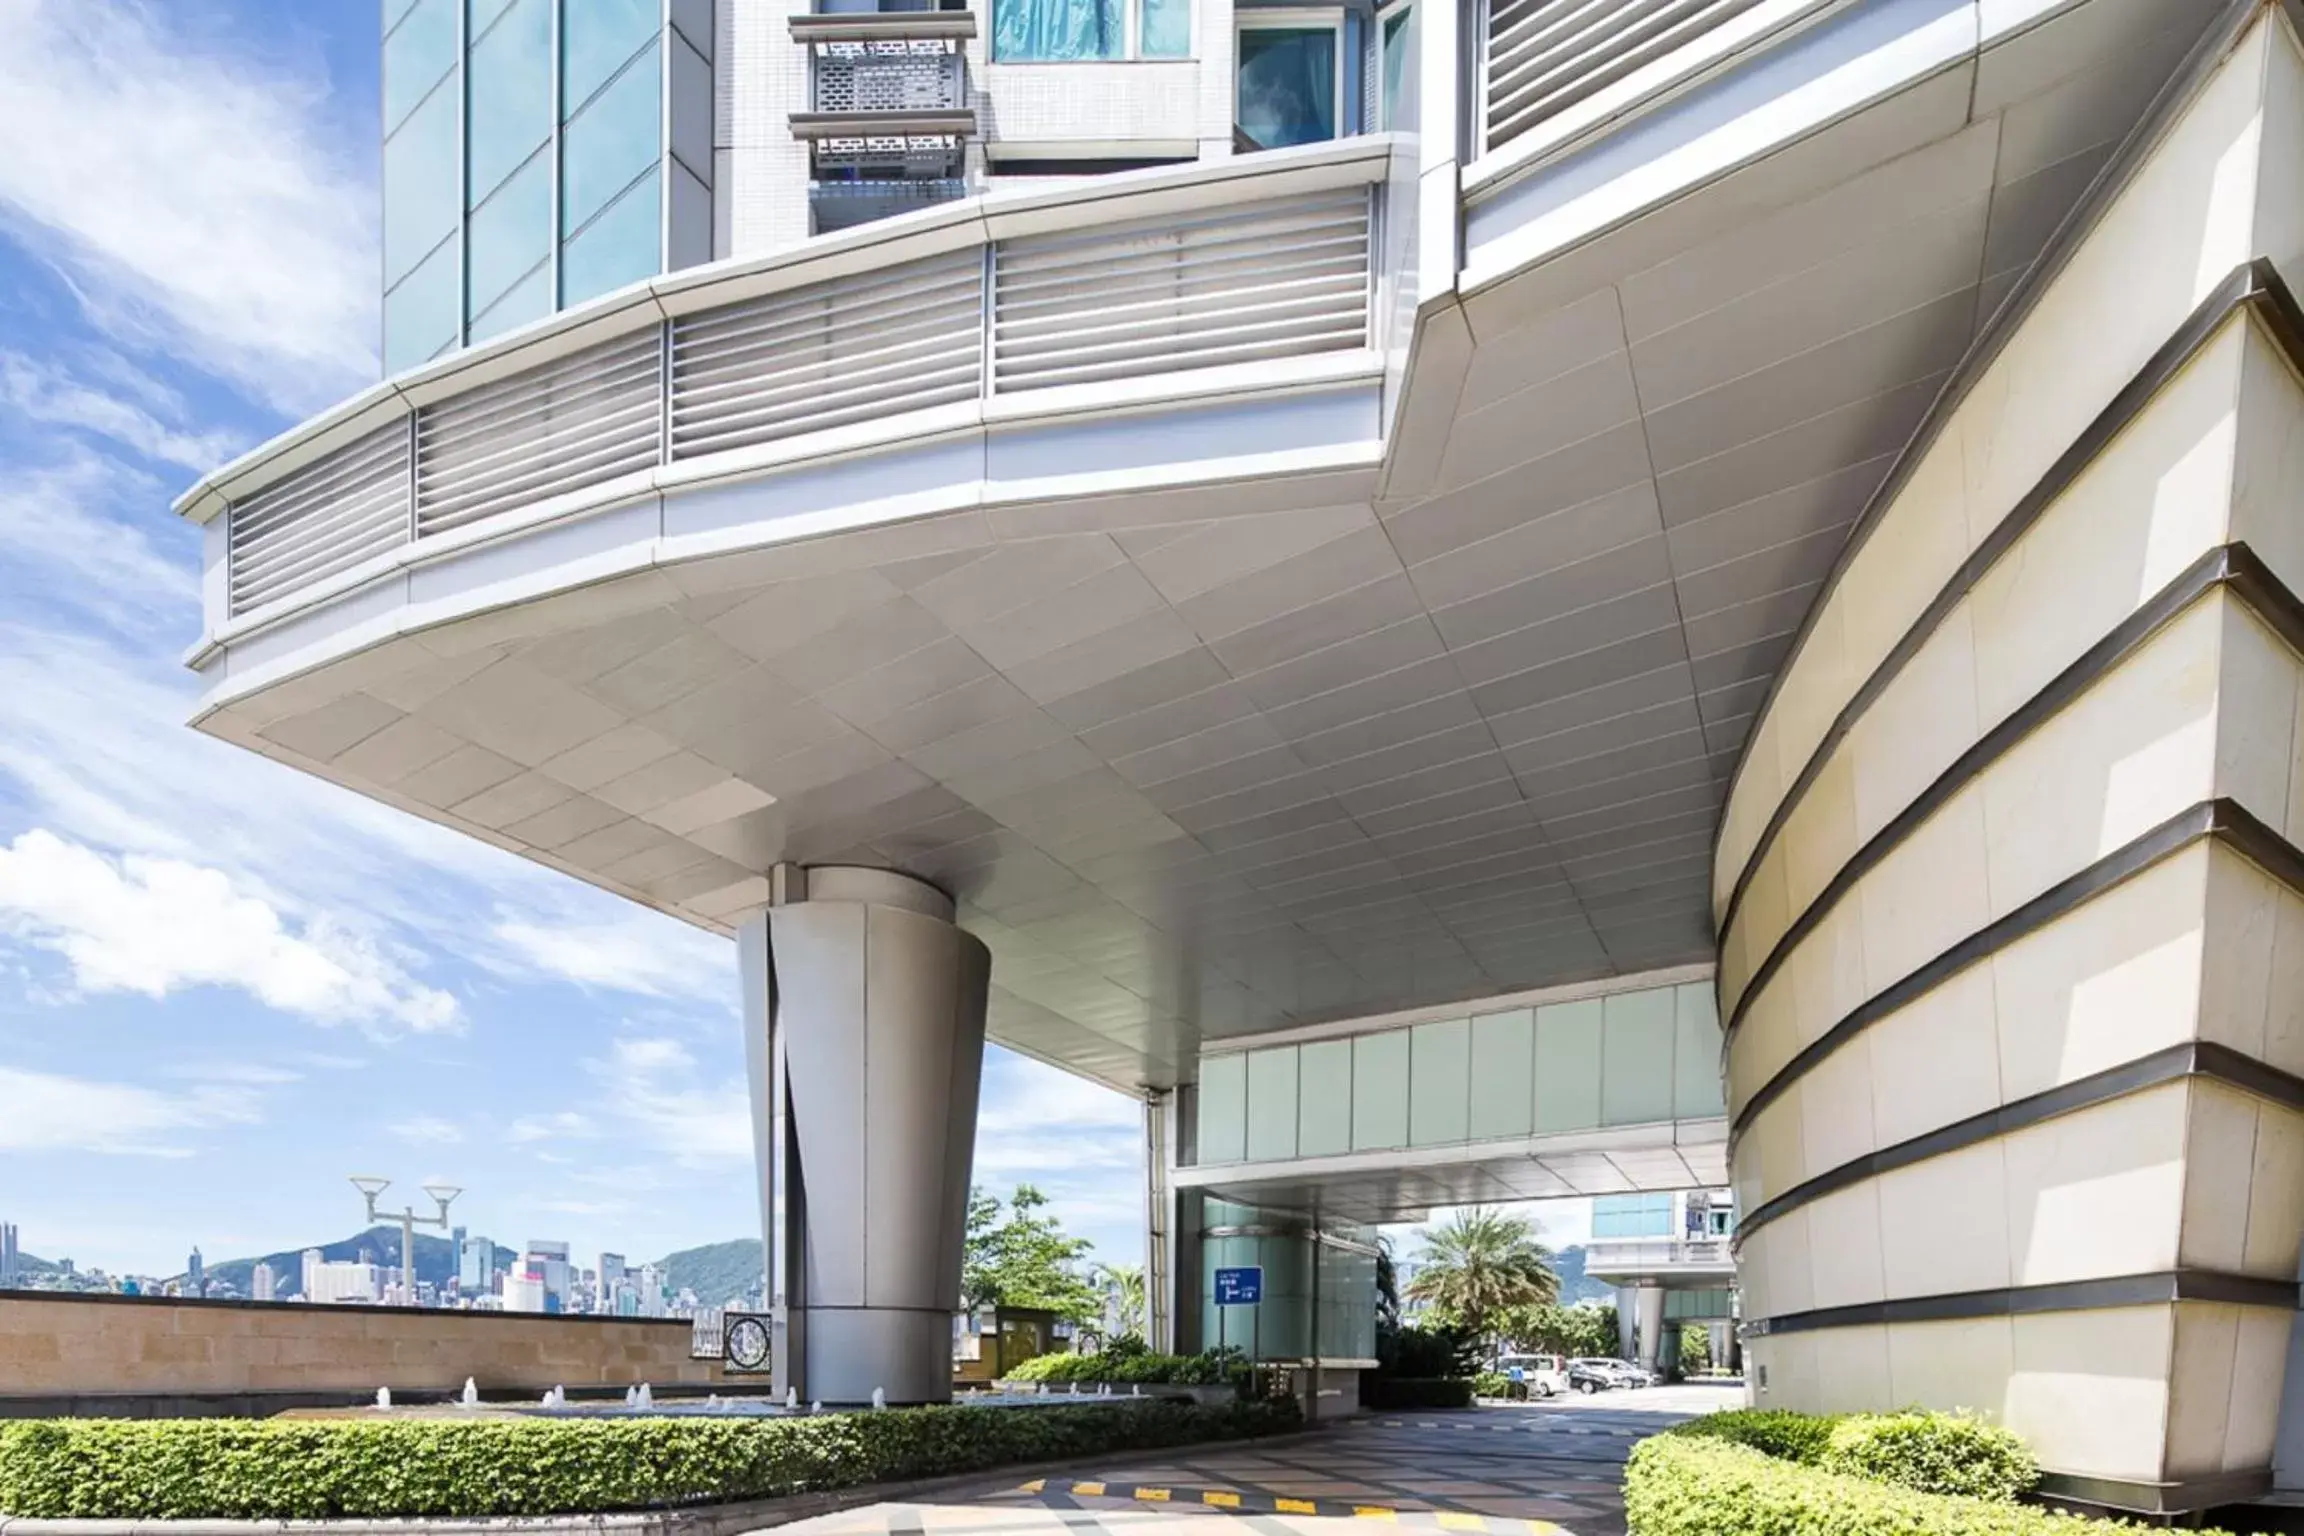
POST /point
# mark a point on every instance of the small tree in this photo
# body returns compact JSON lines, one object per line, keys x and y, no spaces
{"x":1557,"y":1330}
{"x":1026,"y":1260}
{"x":1128,"y":1280}
{"x":1695,"y":1351}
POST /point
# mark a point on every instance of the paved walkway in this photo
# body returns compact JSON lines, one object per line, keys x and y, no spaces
{"x":1539,"y":1470}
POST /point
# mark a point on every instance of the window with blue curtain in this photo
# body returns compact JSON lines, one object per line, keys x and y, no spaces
{"x":1057,"y":31}
{"x":1287,"y":85}
{"x":1164,"y":29}
{"x":1399,"y":105}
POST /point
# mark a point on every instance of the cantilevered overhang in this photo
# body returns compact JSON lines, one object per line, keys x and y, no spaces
{"x":1362,"y":638}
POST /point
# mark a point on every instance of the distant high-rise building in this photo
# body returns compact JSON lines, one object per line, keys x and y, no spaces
{"x":344,"y":1282}
{"x":263,"y":1283}
{"x":195,"y":1275}
{"x":476,"y":1266}
{"x":651,"y":1291}
{"x":548,"y":1259}
{"x":456,"y":1239}
{"x":612,"y":1276}
{"x":310,"y":1276}
{"x":524,"y":1291}
{"x":11,"y":1264}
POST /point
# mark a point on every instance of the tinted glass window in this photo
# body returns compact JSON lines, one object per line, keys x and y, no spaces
{"x":511,"y":233}
{"x":420,"y":314}
{"x":420,"y":51}
{"x":610,"y":142}
{"x":596,"y":37}
{"x":420,"y":185}
{"x":621,"y":246}
{"x":1287,"y":85}
{"x":511,"y":93}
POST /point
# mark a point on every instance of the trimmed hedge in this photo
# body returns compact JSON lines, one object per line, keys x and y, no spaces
{"x":1491,"y":1384}
{"x":381,"y":1468}
{"x":1772,"y":1473}
{"x":1955,"y":1453}
{"x":1211,"y":1369}
{"x":1933,"y":1452}
{"x":1416,"y":1392}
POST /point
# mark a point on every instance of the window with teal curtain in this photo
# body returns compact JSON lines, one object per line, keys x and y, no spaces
{"x":1287,"y":85}
{"x":1399,"y":103}
{"x":1164,"y":29}
{"x":1056,"y":31}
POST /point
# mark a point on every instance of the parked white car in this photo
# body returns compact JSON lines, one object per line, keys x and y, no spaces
{"x":1542,"y":1375}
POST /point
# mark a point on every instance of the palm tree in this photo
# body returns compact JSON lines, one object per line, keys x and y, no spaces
{"x":1128,"y":1280}
{"x":1480,"y":1265}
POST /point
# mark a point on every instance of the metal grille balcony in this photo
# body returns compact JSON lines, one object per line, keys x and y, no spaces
{"x":877,"y":77}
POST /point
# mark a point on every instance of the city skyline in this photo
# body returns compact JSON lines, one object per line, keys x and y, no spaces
{"x":223,"y":986}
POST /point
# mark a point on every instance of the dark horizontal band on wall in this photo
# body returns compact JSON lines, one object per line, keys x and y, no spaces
{"x":2254,"y":286}
{"x":2225,"y":820}
{"x":2189,"y":1058}
{"x":2175,"y":1497}
{"x":2211,"y":1285}
{"x":2151,"y":124}
{"x":2234,"y":567}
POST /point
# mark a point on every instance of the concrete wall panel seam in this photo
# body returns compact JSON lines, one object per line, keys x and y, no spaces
{"x":2230,"y":566}
{"x":2063,"y":1296}
{"x":2190,"y":1059}
{"x":2223,"y":820}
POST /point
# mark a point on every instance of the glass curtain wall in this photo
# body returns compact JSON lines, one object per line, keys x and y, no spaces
{"x":530,"y":161}
{"x":1319,"y":1290}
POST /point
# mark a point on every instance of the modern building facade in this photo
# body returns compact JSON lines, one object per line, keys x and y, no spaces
{"x":1471,"y":602}
{"x":1671,"y":1257}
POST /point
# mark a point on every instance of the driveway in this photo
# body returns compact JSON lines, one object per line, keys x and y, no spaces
{"x":1527,"y":1470}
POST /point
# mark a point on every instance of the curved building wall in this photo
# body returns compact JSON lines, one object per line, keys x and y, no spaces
{"x":2009,"y":879}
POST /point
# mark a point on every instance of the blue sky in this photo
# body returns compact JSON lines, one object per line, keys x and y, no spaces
{"x":224,"y":986}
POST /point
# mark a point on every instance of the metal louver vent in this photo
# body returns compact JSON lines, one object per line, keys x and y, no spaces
{"x":324,"y":518}
{"x":1286,"y":278}
{"x":1544,"y":56}
{"x":849,"y":350}
{"x":588,"y":417}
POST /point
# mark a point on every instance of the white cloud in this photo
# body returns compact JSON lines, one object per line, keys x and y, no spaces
{"x":567,"y":1125}
{"x":49,"y":396}
{"x":638,"y":951}
{"x":65,"y":550}
{"x":428,"y":1130}
{"x":196,"y":200}
{"x":42,"y":1112}
{"x":1038,"y":1125}
{"x":154,"y":926}
{"x":653,"y":1088}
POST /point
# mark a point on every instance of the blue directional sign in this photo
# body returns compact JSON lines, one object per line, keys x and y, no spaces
{"x":1240,"y":1287}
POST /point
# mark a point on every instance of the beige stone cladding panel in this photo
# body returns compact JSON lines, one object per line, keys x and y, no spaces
{"x":108,"y":1346}
{"x":2149,"y":505}
{"x":2138,"y":747}
{"x":2190,"y":215}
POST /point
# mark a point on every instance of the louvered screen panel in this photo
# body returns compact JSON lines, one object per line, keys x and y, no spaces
{"x":1544,"y":56}
{"x":853,"y":349}
{"x":1286,"y":278}
{"x":589,"y":417}
{"x":324,"y":518}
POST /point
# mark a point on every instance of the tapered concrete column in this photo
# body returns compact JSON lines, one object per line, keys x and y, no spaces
{"x":865,"y":1018}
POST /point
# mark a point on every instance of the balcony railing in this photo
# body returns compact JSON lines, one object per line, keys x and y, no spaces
{"x":1057,"y":321}
{"x":1620,"y":1255}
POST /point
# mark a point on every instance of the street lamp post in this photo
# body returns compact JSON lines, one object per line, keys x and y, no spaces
{"x":441,"y":1194}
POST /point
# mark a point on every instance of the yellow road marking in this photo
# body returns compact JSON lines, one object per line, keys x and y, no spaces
{"x":1221,"y":1500}
{"x":1296,"y":1506}
{"x":1457,"y":1520}
{"x":1153,"y":1495}
{"x":1092,"y":1490}
{"x":1034,"y":1486}
{"x":1374,"y":1512}
{"x":1545,"y":1528}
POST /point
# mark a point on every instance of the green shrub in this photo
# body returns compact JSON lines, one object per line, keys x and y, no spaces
{"x":1427,"y":1352}
{"x":1701,"y":1485}
{"x":1934,"y":1453}
{"x":1207,"y":1369}
{"x":1491,"y":1384}
{"x":1777,"y":1432}
{"x":1397,"y":1392}
{"x":382,"y":1468}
